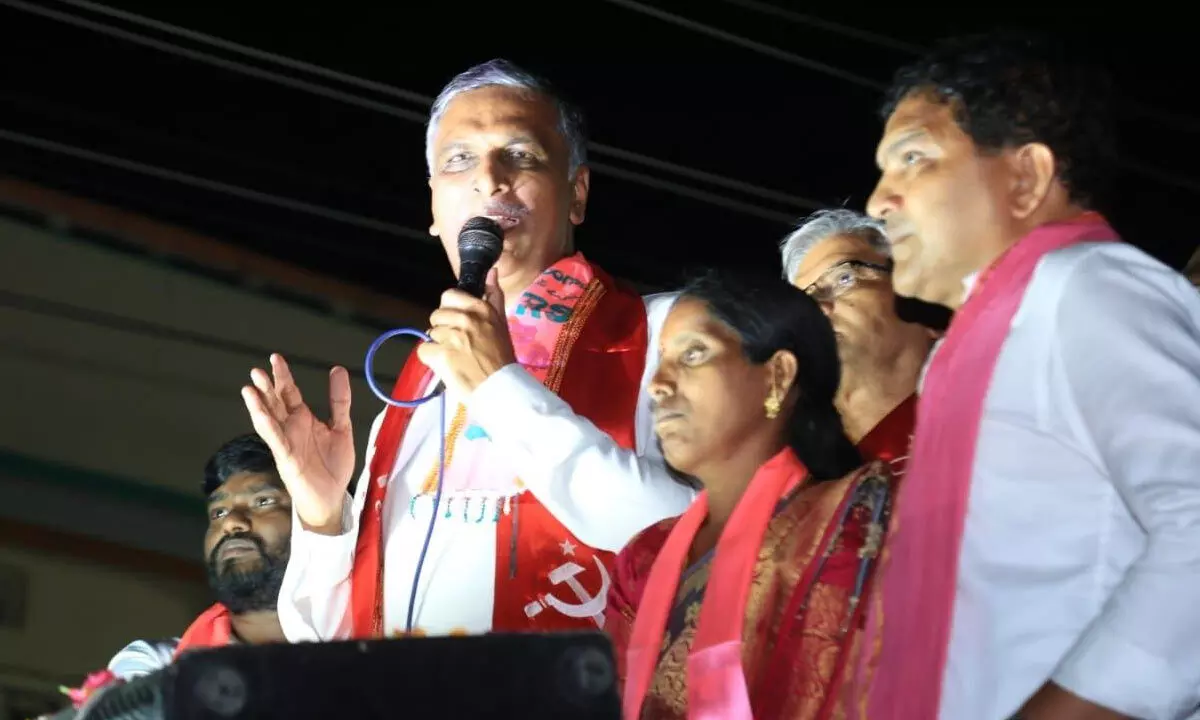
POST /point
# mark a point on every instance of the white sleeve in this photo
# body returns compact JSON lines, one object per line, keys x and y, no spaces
{"x":601,"y":492}
{"x":1128,"y":340}
{"x":142,"y":657}
{"x":314,"y":600}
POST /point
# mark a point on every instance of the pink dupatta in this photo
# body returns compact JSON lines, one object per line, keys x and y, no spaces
{"x":715,"y":679}
{"x":921,"y":562}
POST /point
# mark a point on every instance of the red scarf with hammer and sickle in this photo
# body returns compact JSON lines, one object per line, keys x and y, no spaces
{"x":597,"y":365}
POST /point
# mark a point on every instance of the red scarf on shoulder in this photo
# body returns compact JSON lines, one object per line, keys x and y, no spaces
{"x":597,"y":366}
{"x":212,"y":629}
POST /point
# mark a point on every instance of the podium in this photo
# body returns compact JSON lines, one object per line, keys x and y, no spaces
{"x":529,"y":676}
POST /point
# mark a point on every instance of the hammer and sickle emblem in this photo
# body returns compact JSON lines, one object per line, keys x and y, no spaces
{"x":589,"y":605}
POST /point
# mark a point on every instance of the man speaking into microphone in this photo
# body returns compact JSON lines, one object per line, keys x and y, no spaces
{"x":550,"y":462}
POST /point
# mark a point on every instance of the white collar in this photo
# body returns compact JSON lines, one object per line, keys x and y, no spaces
{"x":969,"y":284}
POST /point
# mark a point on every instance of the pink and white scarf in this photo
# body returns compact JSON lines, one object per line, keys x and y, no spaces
{"x":535,"y":323}
{"x":920,"y":563}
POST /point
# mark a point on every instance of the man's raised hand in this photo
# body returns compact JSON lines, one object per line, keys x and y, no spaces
{"x":315,"y":459}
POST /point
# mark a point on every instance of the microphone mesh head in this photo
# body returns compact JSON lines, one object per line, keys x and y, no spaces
{"x":480,"y":240}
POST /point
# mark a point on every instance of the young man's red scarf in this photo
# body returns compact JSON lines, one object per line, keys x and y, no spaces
{"x":212,"y":629}
{"x":604,"y":345}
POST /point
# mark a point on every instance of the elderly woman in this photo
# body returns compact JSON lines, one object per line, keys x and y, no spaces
{"x":746,"y":605}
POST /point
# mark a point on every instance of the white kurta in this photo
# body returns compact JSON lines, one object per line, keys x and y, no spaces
{"x":602,"y":493}
{"x":1081,"y":550}
{"x":142,"y":657}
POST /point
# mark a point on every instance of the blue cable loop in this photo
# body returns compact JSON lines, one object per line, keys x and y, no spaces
{"x":437,"y":495}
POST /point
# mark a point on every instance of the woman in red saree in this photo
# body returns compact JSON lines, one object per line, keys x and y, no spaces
{"x":747,"y":605}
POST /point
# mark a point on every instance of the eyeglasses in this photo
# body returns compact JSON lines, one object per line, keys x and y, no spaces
{"x":842,"y":278}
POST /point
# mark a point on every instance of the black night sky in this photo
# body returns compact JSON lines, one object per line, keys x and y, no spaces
{"x":715,"y":123}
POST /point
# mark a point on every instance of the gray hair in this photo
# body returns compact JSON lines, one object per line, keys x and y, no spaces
{"x":502,"y":73}
{"x":824,"y":224}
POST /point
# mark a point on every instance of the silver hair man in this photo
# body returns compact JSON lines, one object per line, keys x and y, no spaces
{"x":505,"y":74}
{"x":843,"y":261}
{"x":824,"y":224}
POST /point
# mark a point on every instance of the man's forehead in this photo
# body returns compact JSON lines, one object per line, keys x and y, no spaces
{"x":831,"y":251}
{"x":914,"y":117}
{"x":248,"y":482}
{"x":498,"y":110}
{"x":913,"y":110}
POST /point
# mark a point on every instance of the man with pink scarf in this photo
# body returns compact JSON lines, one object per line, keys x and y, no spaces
{"x":1045,"y":556}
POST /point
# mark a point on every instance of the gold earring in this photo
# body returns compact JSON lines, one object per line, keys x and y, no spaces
{"x":772,"y":406}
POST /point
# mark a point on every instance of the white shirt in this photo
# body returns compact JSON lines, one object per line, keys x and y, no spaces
{"x":602,"y":493}
{"x":142,"y":657}
{"x":1081,"y":551}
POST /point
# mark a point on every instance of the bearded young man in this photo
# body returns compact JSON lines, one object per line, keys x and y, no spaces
{"x":246,"y":551}
{"x":842,"y":259}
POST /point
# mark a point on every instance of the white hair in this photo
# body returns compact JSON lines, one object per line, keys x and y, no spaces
{"x":824,"y":224}
{"x":502,"y":73}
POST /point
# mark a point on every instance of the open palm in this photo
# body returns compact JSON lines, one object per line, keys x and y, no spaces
{"x":315,"y":459}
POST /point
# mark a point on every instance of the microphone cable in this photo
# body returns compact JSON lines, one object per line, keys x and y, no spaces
{"x":369,"y":372}
{"x":480,"y":242}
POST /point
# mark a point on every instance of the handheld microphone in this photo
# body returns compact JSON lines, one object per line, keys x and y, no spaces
{"x":479,"y":245}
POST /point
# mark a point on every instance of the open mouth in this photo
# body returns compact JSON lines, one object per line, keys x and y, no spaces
{"x":506,"y":222}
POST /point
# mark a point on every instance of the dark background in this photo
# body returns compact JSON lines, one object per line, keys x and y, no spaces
{"x":717,"y":123}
